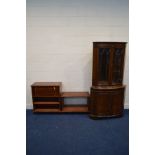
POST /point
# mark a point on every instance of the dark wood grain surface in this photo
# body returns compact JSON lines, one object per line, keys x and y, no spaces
{"x":107,"y":91}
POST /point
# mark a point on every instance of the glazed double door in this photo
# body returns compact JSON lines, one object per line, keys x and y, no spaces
{"x":108,"y":63}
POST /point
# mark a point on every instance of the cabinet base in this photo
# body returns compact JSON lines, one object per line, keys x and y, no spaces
{"x":65,"y":109}
{"x":106,"y":116}
{"x":106,"y":102}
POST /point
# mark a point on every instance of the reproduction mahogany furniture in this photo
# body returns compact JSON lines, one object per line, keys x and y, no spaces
{"x":75,"y":108}
{"x":107,"y":91}
{"x":48,"y":97}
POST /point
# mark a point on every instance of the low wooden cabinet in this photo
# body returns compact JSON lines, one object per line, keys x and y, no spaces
{"x":46,"y":96}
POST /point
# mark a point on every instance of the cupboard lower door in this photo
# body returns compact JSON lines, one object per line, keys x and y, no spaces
{"x":106,"y":103}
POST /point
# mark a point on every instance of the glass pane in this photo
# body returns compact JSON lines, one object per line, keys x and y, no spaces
{"x":117,"y":65}
{"x":104,"y":58}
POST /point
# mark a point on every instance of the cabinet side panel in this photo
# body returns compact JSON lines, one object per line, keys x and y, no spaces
{"x":95,"y":59}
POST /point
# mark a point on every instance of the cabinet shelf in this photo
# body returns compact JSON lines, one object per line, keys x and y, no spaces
{"x":66,"y":109}
{"x":45,"y":110}
{"x":75,"y":94}
{"x":80,"y":109}
{"x":45,"y":103}
{"x":46,"y":96}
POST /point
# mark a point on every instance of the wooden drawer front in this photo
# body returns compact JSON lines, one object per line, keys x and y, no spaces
{"x":40,"y":91}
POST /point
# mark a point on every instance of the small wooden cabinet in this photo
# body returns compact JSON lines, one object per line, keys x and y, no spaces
{"x":46,"y":96}
{"x":107,"y":91}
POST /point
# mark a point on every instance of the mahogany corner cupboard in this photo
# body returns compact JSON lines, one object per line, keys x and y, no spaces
{"x":107,"y":91}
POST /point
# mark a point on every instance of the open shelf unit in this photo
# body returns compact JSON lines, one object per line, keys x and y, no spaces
{"x":66,"y":109}
{"x":75,"y":108}
{"x":47,"y":97}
